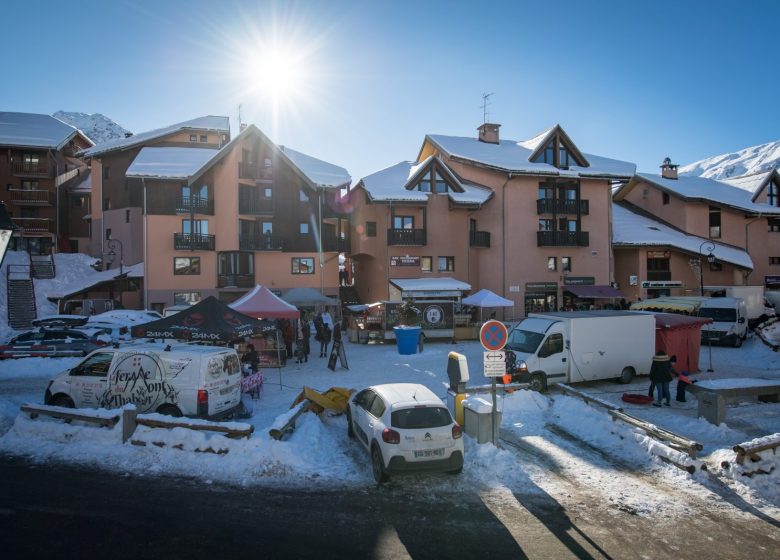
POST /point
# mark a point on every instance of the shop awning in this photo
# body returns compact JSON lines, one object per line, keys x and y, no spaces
{"x":596,"y":292}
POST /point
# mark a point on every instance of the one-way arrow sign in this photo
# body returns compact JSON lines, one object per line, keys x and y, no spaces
{"x":494,"y":364}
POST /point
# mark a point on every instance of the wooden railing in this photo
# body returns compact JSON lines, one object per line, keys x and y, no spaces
{"x":193,"y":242}
{"x":562,"y":239}
{"x":35,"y":225}
{"x":235,"y":280}
{"x":195,"y":205}
{"x":37,"y":197}
{"x":479,"y":239}
{"x":561,"y":206}
{"x":40,"y":167}
{"x":404,"y":236}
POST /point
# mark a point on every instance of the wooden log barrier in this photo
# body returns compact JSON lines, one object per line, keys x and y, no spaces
{"x":232,"y":432}
{"x":751,"y":449}
{"x":674,"y":441}
{"x":69,"y":415}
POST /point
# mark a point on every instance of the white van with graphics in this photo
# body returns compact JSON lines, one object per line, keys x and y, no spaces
{"x":175,"y":379}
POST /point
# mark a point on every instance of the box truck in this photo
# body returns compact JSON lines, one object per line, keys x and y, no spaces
{"x":756,"y":308}
{"x":729,"y":321}
{"x":569,"y":347}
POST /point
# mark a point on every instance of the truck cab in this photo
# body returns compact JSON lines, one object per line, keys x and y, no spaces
{"x":729,"y":321}
{"x":538,"y":347}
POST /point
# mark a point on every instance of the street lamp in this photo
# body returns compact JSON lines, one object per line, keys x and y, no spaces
{"x":710,"y":259}
{"x":111,"y":255}
{"x":7,"y":228}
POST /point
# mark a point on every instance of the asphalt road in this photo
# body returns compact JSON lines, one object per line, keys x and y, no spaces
{"x":60,"y":511}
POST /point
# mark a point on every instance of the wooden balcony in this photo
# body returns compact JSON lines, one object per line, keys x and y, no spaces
{"x":34,"y":197}
{"x":193,"y":242}
{"x":255,"y":172}
{"x":194,"y":205}
{"x":562,"y":239}
{"x":235,"y":280}
{"x":562,"y":206}
{"x":34,"y":225}
{"x":404,"y":236}
{"x":479,"y":239}
{"x":256,"y":205}
{"x":261,"y":243}
{"x":40,"y":168}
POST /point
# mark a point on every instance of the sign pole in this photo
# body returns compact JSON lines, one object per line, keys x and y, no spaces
{"x":494,"y":419}
{"x":493,"y":335}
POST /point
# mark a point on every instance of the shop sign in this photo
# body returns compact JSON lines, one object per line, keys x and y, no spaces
{"x":773,"y":280}
{"x":514,"y":289}
{"x":541,"y":286}
{"x":579,"y":280}
{"x":662,"y":284}
{"x":659,"y":254}
{"x":405,"y":260}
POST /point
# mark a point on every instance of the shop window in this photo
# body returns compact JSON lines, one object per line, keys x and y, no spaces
{"x":182,"y":298}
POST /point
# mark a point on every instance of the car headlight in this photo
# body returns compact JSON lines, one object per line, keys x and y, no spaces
{"x":522,"y":366}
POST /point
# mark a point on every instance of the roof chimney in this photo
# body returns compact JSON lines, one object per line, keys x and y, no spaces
{"x":488,"y":133}
{"x":669,"y":169}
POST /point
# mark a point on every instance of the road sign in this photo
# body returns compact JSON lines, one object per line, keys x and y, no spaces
{"x":494,"y":363}
{"x":493,"y":335}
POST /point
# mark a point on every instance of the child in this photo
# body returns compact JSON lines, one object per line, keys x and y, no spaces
{"x":682,"y":381}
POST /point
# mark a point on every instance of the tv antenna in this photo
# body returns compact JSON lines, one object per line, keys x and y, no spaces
{"x":485,"y":105}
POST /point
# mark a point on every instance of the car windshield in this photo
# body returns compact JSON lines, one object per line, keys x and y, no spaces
{"x":719,"y":314}
{"x":420,"y":418}
{"x":524,"y":341}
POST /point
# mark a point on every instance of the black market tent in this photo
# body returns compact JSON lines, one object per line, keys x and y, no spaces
{"x":209,"y":321}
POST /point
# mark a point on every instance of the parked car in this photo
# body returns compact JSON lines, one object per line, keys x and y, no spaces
{"x":88,"y":307}
{"x":406,"y":428}
{"x":55,"y":343}
{"x":115,"y":331}
{"x":175,"y":379}
{"x":67,"y":321}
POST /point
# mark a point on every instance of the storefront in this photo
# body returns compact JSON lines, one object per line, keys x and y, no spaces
{"x":581,"y":292}
{"x":541,"y":297}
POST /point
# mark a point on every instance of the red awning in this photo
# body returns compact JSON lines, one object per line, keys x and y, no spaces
{"x":596,"y":292}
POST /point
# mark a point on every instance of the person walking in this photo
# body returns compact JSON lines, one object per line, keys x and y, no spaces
{"x":324,"y":340}
{"x":661,"y":376}
{"x":306,"y":330}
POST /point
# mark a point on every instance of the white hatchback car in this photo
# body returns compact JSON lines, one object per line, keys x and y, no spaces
{"x":406,"y":428}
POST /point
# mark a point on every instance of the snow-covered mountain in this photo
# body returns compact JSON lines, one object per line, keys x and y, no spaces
{"x":744,"y":162}
{"x":97,"y":127}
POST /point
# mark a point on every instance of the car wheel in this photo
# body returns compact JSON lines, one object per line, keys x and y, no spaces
{"x":63,"y":401}
{"x":456,"y":471}
{"x":169,"y":410}
{"x":627,"y":375}
{"x":350,"y":429}
{"x":738,"y":342}
{"x":538,"y":382}
{"x":378,"y":465}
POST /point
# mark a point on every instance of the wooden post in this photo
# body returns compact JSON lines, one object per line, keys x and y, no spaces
{"x":129,"y":416}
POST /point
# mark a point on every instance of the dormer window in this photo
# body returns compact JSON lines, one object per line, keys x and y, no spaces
{"x":560,"y":152}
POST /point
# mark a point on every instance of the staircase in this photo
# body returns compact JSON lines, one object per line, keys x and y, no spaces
{"x":349,"y":296}
{"x":42,"y":266}
{"x":21,"y":296}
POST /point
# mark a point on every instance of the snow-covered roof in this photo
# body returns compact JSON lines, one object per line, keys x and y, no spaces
{"x":88,"y":281}
{"x":169,"y":162}
{"x":430,"y":284}
{"x":218,"y":124}
{"x":699,"y":188}
{"x":753,"y":183}
{"x":321,"y":173}
{"x":84,"y":184}
{"x":631,"y":229}
{"x":512,"y":156}
{"x":33,"y":130}
{"x":392,"y":184}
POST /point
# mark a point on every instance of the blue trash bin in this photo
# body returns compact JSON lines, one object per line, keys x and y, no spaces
{"x":406,"y":339}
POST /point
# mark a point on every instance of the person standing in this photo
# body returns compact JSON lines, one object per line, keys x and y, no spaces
{"x":661,"y":376}
{"x":324,"y":340}
{"x":251,"y":357}
{"x":306,"y":331}
{"x":328,"y":320}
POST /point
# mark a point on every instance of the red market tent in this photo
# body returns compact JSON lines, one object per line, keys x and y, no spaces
{"x":680,"y":335}
{"x":262,"y":303}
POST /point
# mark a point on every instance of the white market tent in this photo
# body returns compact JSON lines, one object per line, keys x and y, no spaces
{"x":486,"y":298}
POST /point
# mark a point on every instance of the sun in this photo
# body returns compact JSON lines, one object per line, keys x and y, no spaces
{"x":278,"y":72}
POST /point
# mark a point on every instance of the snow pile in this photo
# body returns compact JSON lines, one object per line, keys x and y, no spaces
{"x":97,"y":127}
{"x":743,"y":162}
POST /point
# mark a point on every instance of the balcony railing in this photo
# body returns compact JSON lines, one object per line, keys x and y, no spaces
{"x":261,"y":243}
{"x":195,"y":205}
{"x":404,"y":236}
{"x":193,"y":242}
{"x":479,"y":239}
{"x":561,"y":206}
{"x":255,"y":205}
{"x":235,"y":280}
{"x":254,"y":171}
{"x":35,"y":225}
{"x":37,"y":168}
{"x":34,"y":197}
{"x":562,"y":239}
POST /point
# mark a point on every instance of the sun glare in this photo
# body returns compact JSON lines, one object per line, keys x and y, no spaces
{"x":277,"y":72}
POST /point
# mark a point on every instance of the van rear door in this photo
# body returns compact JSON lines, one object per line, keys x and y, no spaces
{"x":223,"y":381}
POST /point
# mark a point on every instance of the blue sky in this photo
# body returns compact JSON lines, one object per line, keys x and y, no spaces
{"x":627,"y":80}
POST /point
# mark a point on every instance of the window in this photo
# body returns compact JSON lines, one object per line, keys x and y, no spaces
{"x":106,"y":172}
{"x":774,"y":224}
{"x":204,"y":138}
{"x":186,"y":266}
{"x":552,"y":264}
{"x":29,"y":185}
{"x":302,"y":196}
{"x":665,"y":197}
{"x":303,"y":265}
{"x":545,"y":224}
{"x":774,"y":261}
{"x":268,"y":192}
{"x":403,"y":222}
{"x":546,"y":191}
{"x":559,"y":153}
{"x":716,"y":266}
{"x":78,"y":202}
{"x":127,"y":216}
{"x":108,"y":234}
{"x":426,"y":264}
{"x":96,"y":365}
{"x":714,"y":222}
{"x":304,"y":228}
{"x":553,"y":345}
{"x":566,"y":264}
{"x":236,"y":263}
{"x":193,"y":137}
{"x":267,"y":227}
{"x":197,"y":227}
{"x":425,"y":183}
{"x":440,"y":186}
{"x":772,"y":197}
{"x":370,"y":229}
{"x":74,"y":245}
{"x":446,"y":264}
{"x":107,"y":204}
{"x":182,"y":298}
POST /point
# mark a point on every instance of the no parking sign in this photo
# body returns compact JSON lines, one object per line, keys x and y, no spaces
{"x":493,"y":335}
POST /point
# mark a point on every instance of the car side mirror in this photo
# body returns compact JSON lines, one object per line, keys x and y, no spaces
{"x":741,"y":320}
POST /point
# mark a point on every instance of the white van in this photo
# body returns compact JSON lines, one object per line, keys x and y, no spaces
{"x":175,"y":379}
{"x":729,"y":316}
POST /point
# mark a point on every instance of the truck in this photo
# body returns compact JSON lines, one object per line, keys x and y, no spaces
{"x":756,"y":306}
{"x":729,"y":321}
{"x":576,"y":346}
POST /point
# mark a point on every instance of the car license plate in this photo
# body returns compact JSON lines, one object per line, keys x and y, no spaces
{"x":422,"y":454}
